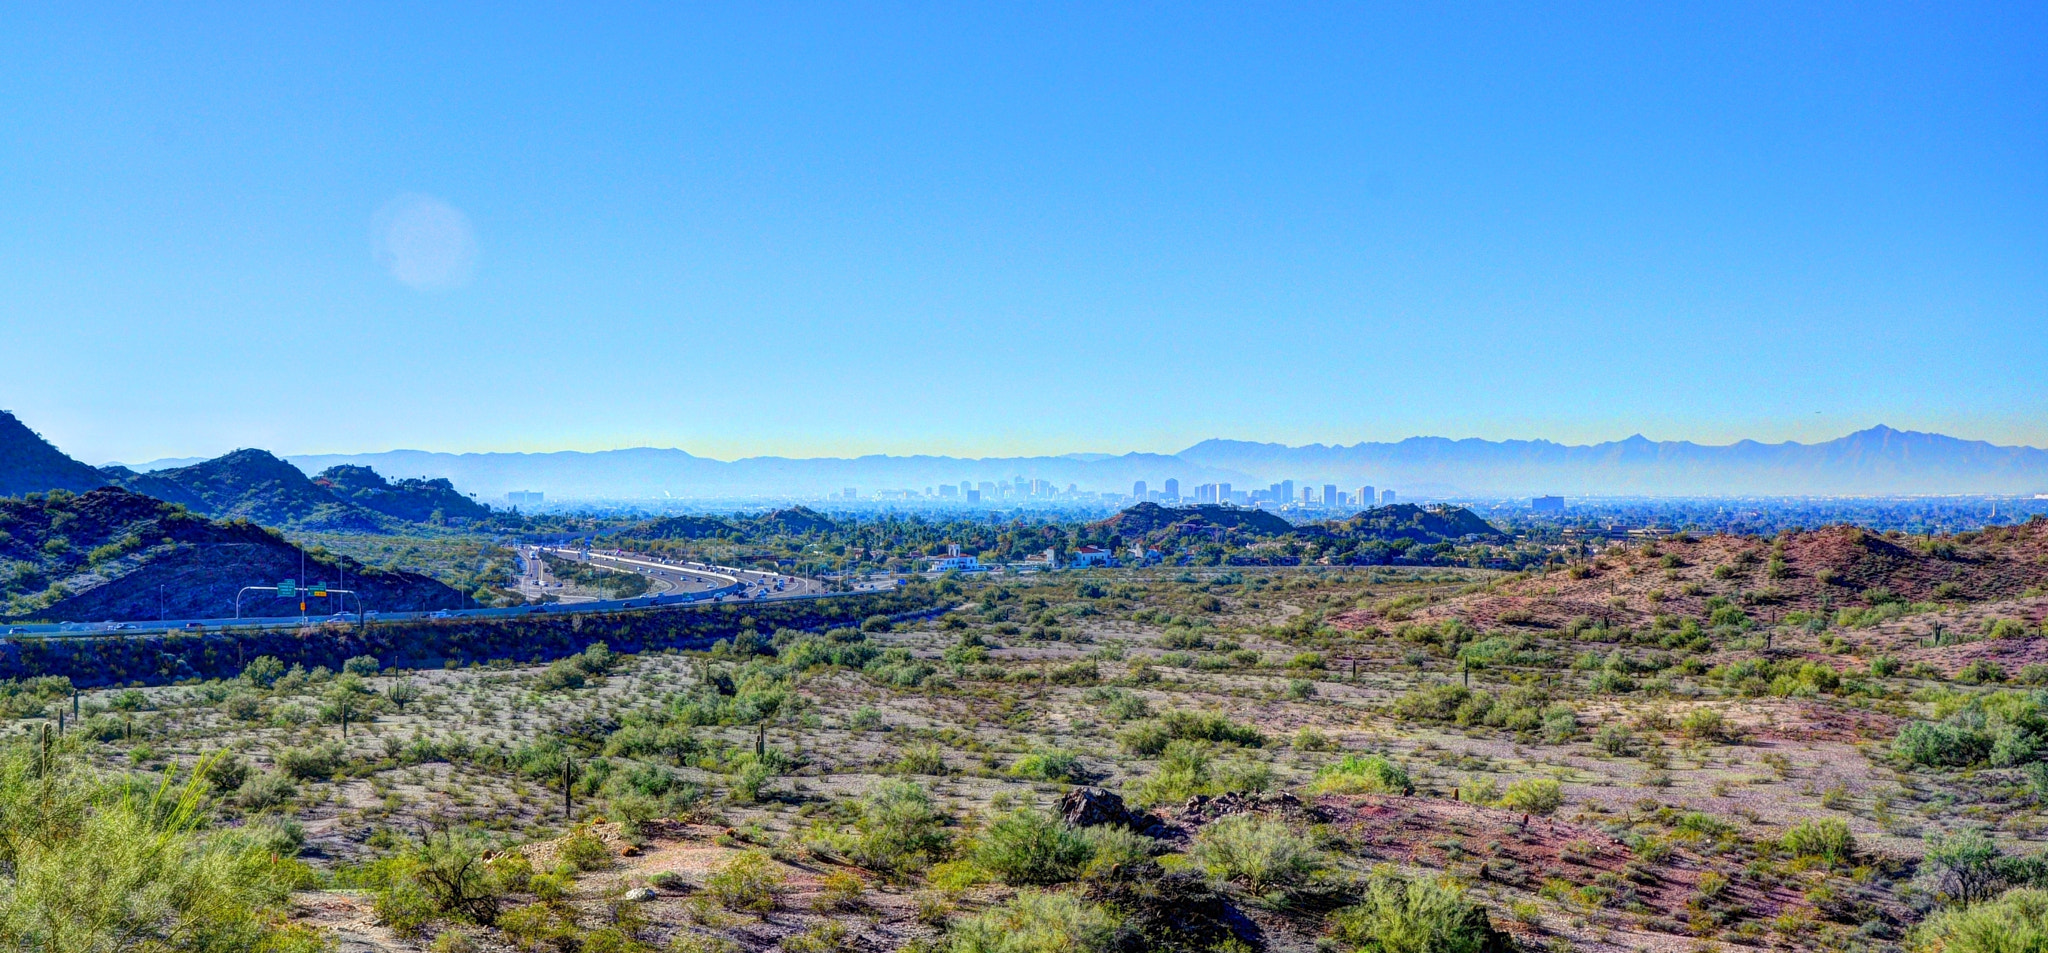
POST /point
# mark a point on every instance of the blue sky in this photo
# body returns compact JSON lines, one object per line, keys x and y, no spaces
{"x":993,"y":229}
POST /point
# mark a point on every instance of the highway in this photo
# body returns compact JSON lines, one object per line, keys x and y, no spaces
{"x":674,"y":585}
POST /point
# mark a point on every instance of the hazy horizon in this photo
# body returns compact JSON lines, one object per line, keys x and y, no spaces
{"x":1005,"y":456}
{"x":802,"y":231}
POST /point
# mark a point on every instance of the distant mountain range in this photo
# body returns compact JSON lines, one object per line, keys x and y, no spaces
{"x":1877,"y":461}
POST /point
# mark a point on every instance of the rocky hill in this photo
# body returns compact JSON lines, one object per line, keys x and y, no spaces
{"x":415,"y":500}
{"x":30,"y":464}
{"x":115,"y":554}
{"x":1146,"y":519}
{"x":1842,"y":573}
{"x":795,"y":521}
{"x":1414,"y":523}
{"x":252,"y":485}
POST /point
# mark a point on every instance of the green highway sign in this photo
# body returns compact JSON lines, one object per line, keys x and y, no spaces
{"x":287,"y":588}
{"x":319,"y":590}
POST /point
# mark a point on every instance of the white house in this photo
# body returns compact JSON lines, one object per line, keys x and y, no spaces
{"x":953,"y":561}
{"x":1091,"y":556}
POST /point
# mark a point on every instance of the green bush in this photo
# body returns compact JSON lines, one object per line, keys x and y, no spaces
{"x":1054,"y":765}
{"x":1186,"y":769}
{"x":1151,"y":738}
{"x":362,"y":665}
{"x":91,"y":864}
{"x":2017,"y":922}
{"x":1533,"y":796}
{"x":1403,"y":916}
{"x":1826,"y":839}
{"x":1027,"y":847}
{"x":747,"y":881}
{"x":900,"y":831}
{"x":1039,"y":922}
{"x":1259,"y":852}
{"x":310,"y":764}
{"x":1368,"y":774}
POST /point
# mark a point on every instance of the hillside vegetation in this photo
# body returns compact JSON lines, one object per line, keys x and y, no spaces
{"x":113,"y":554}
{"x":1213,"y":759}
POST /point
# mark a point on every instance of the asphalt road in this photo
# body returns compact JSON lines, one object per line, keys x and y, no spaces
{"x":675,"y":584}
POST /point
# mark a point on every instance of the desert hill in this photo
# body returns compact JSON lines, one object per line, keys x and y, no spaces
{"x":30,"y":464}
{"x":415,"y":500}
{"x":1146,"y":519}
{"x":252,"y":485}
{"x":104,"y":555}
{"x":1413,"y":523}
{"x":1840,"y":572}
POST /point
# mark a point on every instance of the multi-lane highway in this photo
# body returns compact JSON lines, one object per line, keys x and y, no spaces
{"x":672,"y":584}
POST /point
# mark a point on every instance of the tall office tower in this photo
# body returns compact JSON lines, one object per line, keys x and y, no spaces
{"x":1387,"y":498}
{"x":1367,"y":497}
{"x":1138,"y":491}
{"x":1308,"y":496}
{"x":1330,"y":495}
{"x":1172,"y":490}
{"x":1286,"y":491}
{"x":973,"y":496}
{"x":1223,"y":493}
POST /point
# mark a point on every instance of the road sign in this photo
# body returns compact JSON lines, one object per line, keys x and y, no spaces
{"x":319,"y":590}
{"x":287,"y":588}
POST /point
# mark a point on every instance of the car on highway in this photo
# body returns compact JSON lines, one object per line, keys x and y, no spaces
{"x":194,"y":625}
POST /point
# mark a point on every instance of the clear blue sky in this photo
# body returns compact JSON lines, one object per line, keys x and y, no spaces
{"x":992,"y":229}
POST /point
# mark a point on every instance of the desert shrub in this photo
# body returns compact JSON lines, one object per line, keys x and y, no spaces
{"x":1516,"y":709}
{"x":1826,"y":839}
{"x":746,"y":881}
{"x":1054,"y":765}
{"x":263,"y":671}
{"x":264,"y":792}
{"x":362,"y":665}
{"x":1036,"y":921}
{"x":2002,"y":728}
{"x":1705,"y":724}
{"x":583,"y":851}
{"x":1533,"y":796}
{"x":1112,"y":847}
{"x":2016,"y":922}
{"x":1310,"y":739}
{"x":1151,"y":738}
{"x":540,"y":926}
{"x":1366,"y":774}
{"x":926,"y":759}
{"x":1117,"y":704}
{"x":1259,"y":852}
{"x":1186,"y":769}
{"x":92,"y":864}
{"x":309,"y":764}
{"x":900,"y":830}
{"x":1615,"y":739}
{"x":1981,"y":672}
{"x":225,"y":773}
{"x":1418,"y":916}
{"x":1031,"y":847}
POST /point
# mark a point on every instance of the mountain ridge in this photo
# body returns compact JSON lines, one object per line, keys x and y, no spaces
{"x":1878,"y":460}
